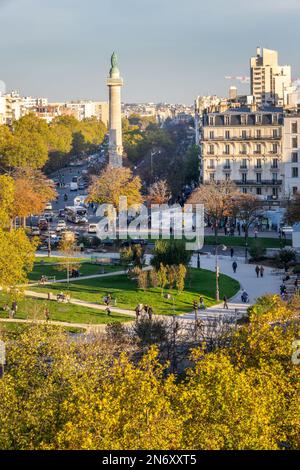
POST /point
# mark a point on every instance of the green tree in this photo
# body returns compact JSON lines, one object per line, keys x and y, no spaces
{"x":169,"y":253}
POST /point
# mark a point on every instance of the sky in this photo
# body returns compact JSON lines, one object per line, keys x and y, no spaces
{"x":168,"y":50}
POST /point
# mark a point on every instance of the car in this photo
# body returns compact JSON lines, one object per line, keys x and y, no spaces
{"x":74,"y":186}
{"x":92,"y":228}
{"x":62,"y":213}
{"x":49,"y":215}
{"x":61,"y":225}
{"x":35,"y":231}
{"x":48,"y":206}
{"x":82,"y":185}
{"x":43,"y":224}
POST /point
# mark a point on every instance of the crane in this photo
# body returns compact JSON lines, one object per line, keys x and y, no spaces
{"x":240,"y":78}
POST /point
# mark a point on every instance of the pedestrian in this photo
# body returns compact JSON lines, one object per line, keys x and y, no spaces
{"x":231,"y":252}
{"x":108,"y":311}
{"x":257,"y":270}
{"x":47,"y":314}
{"x":239,"y":229}
{"x":195,"y":306}
{"x":14,"y":307}
{"x":262,"y":270}
{"x":201,"y":304}
{"x":234,"y":266}
{"x":150,"y":313}
{"x":225,"y":300}
{"x":255,"y":233}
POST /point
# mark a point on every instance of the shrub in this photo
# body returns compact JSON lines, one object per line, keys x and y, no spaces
{"x":257,"y":251}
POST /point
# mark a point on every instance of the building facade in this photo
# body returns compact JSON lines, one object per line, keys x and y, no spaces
{"x":291,"y":153}
{"x":244,"y":146}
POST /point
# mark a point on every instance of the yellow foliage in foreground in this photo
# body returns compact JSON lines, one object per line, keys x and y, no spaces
{"x":62,"y":394}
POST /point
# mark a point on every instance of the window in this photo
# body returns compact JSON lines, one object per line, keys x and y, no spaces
{"x":294,"y":142}
{"x":211,"y":135}
{"x":244,"y":177}
{"x":274,"y":177}
{"x":258,"y":177}
{"x":275,"y":163}
{"x":295,"y":190}
{"x":258,"y":163}
{"x":274,"y":148}
{"x":226,"y":120}
{"x":211,"y":163}
{"x":294,"y":157}
{"x":227,"y":134}
{"x":244,"y":163}
{"x":227,"y":149}
{"x":244,"y":190}
{"x":211,"y":121}
{"x":258,"y":134}
{"x":258,"y":148}
{"x":295,"y":172}
{"x":258,"y":191}
{"x":244,"y":149}
{"x":258,"y":119}
{"x":227,"y":176}
{"x":212,"y":177}
{"x":294,"y":128}
{"x":227,"y":163}
{"x":275,"y":134}
{"x":275,"y":118}
{"x":211,"y":149}
{"x":244,"y":134}
{"x":243,"y":119}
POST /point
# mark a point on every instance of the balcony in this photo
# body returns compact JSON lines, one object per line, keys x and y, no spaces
{"x":261,"y":183}
{"x":226,"y":168}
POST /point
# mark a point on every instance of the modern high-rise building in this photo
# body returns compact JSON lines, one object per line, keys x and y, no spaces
{"x":270,"y":82}
{"x":115,"y":83}
{"x":291,"y":153}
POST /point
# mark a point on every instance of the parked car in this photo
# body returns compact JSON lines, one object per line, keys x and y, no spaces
{"x":43,"y":224}
{"x":48,"y":206}
{"x":92,"y":228}
{"x":61,"y":225}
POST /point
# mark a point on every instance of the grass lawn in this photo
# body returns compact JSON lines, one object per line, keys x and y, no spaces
{"x":240,"y":241}
{"x":34,"y":309}
{"x":86,"y":268}
{"x":124,"y":290}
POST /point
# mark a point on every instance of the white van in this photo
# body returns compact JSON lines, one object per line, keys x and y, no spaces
{"x":73,"y":186}
{"x":92,"y":228}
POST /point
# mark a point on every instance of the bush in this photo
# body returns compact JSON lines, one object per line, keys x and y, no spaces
{"x":286,"y":256}
{"x":257,"y":251}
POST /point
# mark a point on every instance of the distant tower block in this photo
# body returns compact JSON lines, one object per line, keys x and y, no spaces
{"x":233,"y":92}
{"x":115,"y":83}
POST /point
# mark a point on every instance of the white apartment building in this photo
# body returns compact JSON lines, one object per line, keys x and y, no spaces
{"x":244,"y":146}
{"x":84,"y":109}
{"x":291,"y":153}
{"x":270,"y":82}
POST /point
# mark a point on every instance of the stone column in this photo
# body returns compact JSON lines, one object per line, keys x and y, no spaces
{"x":115,"y":83}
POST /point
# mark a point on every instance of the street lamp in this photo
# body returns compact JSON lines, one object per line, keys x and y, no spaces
{"x":49,"y":240}
{"x":198,"y":259}
{"x":223,"y":248}
{"x":246,"y":251}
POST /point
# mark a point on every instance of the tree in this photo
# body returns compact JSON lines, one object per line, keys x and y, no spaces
{"x":218,"y":200}
{"x":78,"y":144}
{"x":32,"y":191}
{"x":16,"y":258}
{"x":169,"y":253}
{"x":162,"y":276}
{"x":246,"y":207}
{"x":7,"y":196}
{"x":181,"y":272}
{"x":114,"y":183}
{"x":293,"y":210}
{"x":68,"y":247}
{"x":159,"y":193}
{"x":286,"y":256}
{"x":26,"y":150}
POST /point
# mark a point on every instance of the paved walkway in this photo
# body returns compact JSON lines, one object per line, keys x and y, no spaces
{"x":246,"y":276}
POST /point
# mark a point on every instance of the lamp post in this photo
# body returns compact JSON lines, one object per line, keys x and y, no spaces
{"x":224,"y":248}
{"x":198,"y":259}
{"x":246,"y":251}
{"x":49,"y":240}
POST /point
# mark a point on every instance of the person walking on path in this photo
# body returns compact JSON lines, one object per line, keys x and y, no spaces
{"x":47,"y":314}
{"x":257,"y":270}
{"x":231,"y":252}
{"x":150,"y":313}
{"x":234,"y":266}
{"x":262,"y":270}
{"x":225,"y":300}
{"x":138,"y":311}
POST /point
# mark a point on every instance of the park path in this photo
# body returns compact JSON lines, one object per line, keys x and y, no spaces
{"x":245,"y":275}
{"x":247,"y":278}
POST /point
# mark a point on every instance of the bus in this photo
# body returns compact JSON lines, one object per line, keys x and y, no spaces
{"x":76,"y":215}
